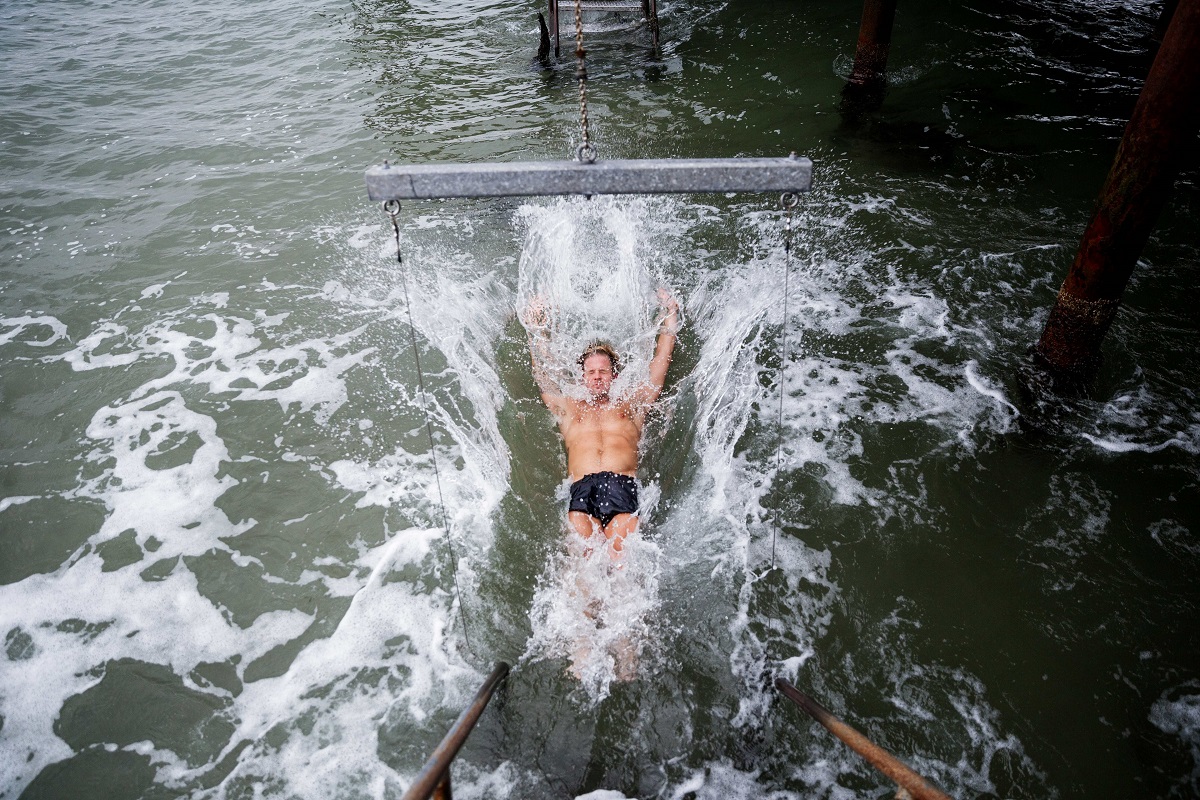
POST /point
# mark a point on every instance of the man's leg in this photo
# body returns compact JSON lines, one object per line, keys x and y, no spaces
{"x":618,"y":528}
{"x":586,"y":526}
{"x":581,"y":649}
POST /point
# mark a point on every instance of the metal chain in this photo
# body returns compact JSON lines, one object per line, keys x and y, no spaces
{"x":586,"y":152}
{"x":392,"y":209}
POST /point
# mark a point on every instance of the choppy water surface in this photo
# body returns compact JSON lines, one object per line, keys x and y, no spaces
{"x":223,"y":565}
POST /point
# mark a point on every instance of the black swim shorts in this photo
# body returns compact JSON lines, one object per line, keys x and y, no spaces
{"x":603,"y":495}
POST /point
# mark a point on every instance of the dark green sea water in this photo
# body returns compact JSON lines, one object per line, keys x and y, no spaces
{"x":223,"y":565}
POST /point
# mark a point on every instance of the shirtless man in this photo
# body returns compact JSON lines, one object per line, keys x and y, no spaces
{"x":601,"y":433}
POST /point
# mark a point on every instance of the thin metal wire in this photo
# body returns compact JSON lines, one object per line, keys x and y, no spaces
{"x":392,"y":209}
{"x":789,"y":201}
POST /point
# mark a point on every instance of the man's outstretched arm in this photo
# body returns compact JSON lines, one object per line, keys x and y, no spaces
{"x":537,"y":322}
{"x":668,"y":329}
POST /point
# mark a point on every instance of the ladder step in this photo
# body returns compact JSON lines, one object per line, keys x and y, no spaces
{"x":608,"y":5}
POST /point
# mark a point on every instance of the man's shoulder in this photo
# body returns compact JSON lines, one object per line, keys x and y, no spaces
{"x":641,"y":397}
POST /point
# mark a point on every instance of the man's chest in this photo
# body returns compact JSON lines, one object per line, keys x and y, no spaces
{"x":605,"y":422}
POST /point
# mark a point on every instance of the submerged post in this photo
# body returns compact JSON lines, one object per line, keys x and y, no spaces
{"x":543,"y":53}
{"x":865,"y":89}
{"x":1163,"y":124}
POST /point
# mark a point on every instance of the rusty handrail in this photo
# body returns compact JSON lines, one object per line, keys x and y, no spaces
{"x":435,"y":775}
{"x":900,"y":773}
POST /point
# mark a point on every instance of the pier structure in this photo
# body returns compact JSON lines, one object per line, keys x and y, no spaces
{"x":1162,"y":127}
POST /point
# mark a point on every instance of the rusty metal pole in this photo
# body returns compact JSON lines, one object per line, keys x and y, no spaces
{"x":443,"y":791}
{"x":864,"y":91}
{"x":554,"y":25}
{"x":900,"y":773}
{"x":1162,"y":126}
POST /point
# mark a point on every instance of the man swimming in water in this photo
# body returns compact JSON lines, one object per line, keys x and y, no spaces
{"x":601,"y":432}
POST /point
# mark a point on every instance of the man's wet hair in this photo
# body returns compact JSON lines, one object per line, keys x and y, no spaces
{"x":604,"y":348}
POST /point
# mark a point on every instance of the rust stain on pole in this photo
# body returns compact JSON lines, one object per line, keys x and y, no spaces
{"x":874,"y":41}
{"x":1163,"y":124}
{"x":867,"y":85}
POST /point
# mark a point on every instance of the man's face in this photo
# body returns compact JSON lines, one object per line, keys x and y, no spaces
{"x":597,"y":375}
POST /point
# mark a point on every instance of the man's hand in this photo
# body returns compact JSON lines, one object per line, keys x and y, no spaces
{"x":537,"y":314}
{"x":669,"y":323}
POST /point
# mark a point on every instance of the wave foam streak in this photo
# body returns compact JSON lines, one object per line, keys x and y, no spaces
{"x":228,"y":567}
{"x":869,"y":349}
{"x":596,"y":613}
{"x":592,"y":266}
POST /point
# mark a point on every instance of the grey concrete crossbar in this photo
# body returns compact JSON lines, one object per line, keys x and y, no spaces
{"x":618,"y":176}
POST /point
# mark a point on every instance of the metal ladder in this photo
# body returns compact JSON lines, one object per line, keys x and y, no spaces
{"x":434,"y":778}
{"x":648,"y":9}
{"x":911,"y":785}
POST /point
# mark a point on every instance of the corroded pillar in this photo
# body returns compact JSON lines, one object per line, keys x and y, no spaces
{"x":874,"y":40}
{"x":1163,"y":125}
{"x":868,"y":79}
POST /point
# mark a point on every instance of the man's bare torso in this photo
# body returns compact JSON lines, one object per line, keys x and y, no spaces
{"x":601,"y":433}
{"x":601,"y":437}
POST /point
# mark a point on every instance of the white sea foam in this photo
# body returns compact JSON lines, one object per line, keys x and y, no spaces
{"x":721,"y":779}
{"x":831,"y":400}
{"x":175,"y":506}
{"x":159,"y":467}
{"x":1147,"y":419}
{"x":13,"y":327}
{"x":328,"y":707}
{"x":1177,"y":712}
{"x":16,"y":500}
{"x":602,"y":794}
{"x":394,"y":662}
{"x":985,"y":388}
{"x":98,"y":617}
